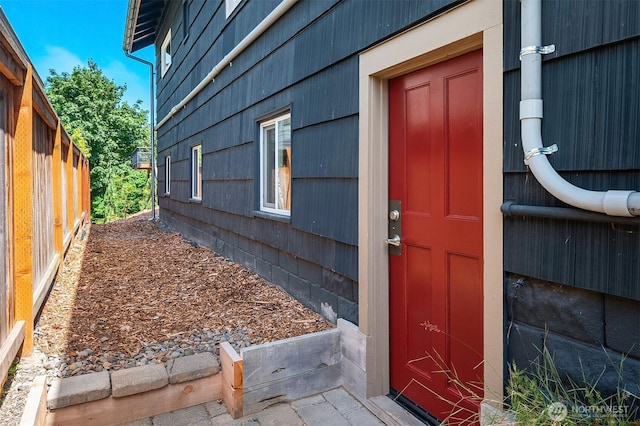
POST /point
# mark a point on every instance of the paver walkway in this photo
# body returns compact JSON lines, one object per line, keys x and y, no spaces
{"x":335,"y":408}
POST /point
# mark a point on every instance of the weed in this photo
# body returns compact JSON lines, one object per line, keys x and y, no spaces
{"x":7,"y":384}
{"x":540,"y":395}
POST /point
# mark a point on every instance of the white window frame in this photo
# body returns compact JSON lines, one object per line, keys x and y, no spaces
{"x":264,"y":205}
{"x":165,"y":54}
{"x":231,"y":6}
{"x":167,"y":175}
{"x":196,"y":172}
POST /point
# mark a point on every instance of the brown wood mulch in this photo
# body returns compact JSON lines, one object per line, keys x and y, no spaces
{"x":136,"y":283}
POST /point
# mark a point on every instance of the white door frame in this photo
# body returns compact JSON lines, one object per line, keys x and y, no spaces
{"x":473,"y":25}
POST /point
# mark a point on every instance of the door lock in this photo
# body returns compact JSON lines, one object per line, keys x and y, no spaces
{"x":394,"y":239}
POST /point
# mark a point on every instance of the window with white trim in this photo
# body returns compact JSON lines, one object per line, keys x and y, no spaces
{"x":231,"y":6}
{"x":165,"y":54}
{"x":167,"y":175}
{"x":275,"y":165}
{"x":196,"y":172}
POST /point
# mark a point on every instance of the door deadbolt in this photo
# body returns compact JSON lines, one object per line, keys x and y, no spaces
{"x":394,"y":231}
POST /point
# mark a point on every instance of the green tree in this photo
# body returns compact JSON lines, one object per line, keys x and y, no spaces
{"x":110,"y":129}
{"x":81,"y":143}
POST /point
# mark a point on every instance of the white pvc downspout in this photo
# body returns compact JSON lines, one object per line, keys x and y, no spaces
{"x":612,"y":202}
{"x":280,"y":10}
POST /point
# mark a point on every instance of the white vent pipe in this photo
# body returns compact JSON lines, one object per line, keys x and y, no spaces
{"x":280,"y":10}
{"x":612,"y":202}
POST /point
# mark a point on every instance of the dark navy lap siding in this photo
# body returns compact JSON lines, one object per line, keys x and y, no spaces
{"x":591,"y":93}
{"x":305,"y":63}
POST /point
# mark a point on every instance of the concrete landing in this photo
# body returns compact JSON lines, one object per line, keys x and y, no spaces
{"x":335,"y":407}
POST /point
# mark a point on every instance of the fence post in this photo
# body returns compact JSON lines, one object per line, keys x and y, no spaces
{"x":23,"y":212}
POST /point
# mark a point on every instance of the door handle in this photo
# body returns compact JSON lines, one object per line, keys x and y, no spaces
{"x":394,"y":241}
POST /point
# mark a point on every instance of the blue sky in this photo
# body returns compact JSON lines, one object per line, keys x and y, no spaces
{"x":62,"y":34}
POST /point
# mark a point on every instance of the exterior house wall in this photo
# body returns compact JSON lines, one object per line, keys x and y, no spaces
{"x":575,"y":284}
{"x":310,"y":56}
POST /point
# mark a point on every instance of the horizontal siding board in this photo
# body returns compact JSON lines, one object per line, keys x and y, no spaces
{"x":609,"y":260}
{"x":540,"y":248}
{"x":327,"y":207}
{"x":573,"y":26}
{"x":593,"y":117}
{"x":617,"y":123}
{"x":346,"y":262}
{"x":328,"y":95}
{"x":229,"y":196}
{"x":597,"y":257}
{"x":620,"y":20}
{"x":328,"y":149}
{"x":234,"y":163}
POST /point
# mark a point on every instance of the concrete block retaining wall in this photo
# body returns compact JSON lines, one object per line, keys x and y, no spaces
{"x":124,"y":395}
{"x":257,"y":377}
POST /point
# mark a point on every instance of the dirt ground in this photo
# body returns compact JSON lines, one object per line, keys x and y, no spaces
{"x":131,"y":283}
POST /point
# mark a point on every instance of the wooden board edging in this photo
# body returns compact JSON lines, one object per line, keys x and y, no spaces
{"x":291,"y":388}
{"x":278,"y":360}
{"x":35,"y":409}
{"x":43,"y":287}
{"x":10,"y":348}
{"x":232,"y":380}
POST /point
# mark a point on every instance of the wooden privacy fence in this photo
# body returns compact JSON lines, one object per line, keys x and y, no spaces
{"x":44,"y":196}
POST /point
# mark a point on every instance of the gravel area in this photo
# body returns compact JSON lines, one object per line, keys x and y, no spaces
{"x":131,"y":293}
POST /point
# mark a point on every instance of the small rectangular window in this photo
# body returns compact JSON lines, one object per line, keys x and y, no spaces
{"x":165,"y":54}
{"x":167,"y":175}
{"x":230,"y":6}
{"x":196,"y":172}
{"x":275,"y":165}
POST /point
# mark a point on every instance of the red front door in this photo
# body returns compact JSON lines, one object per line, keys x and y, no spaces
{"x":436,"y":298}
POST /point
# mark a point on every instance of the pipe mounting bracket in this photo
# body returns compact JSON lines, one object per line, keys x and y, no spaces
{"x":541,"y":150}
{"x":542,"y":50}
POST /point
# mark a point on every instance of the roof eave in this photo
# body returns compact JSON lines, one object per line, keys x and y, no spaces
{"x":143,"y":17}
{"x":130,"y":25}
